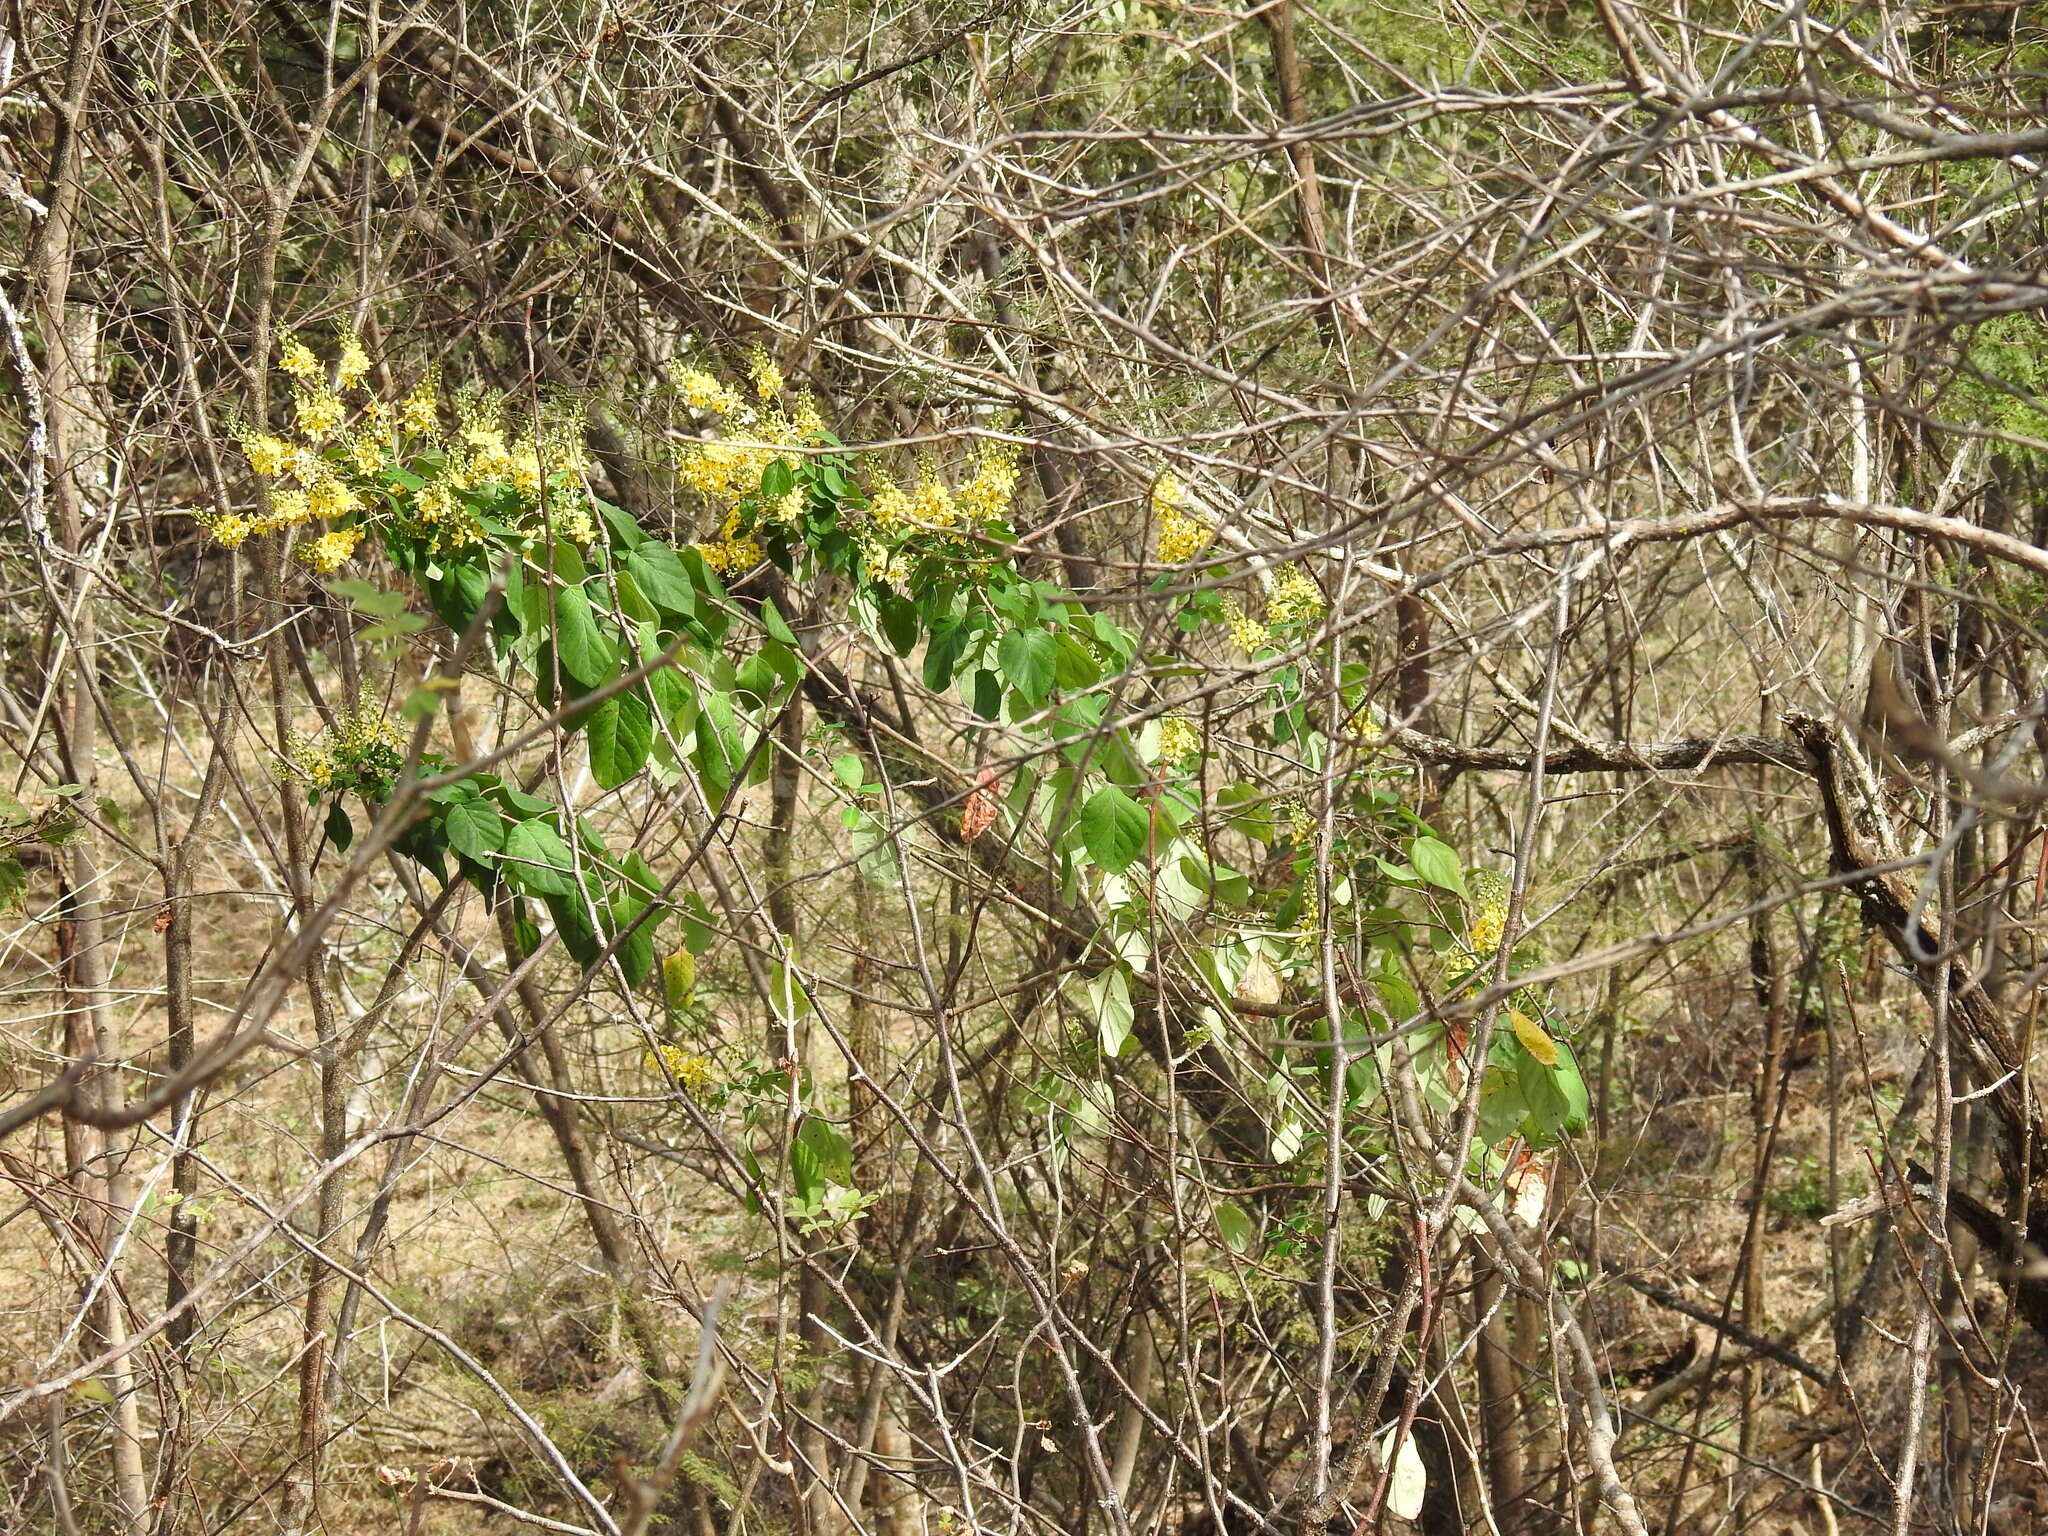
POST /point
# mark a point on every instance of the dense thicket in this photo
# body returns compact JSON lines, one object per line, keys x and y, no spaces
{"x":1109,"y":768}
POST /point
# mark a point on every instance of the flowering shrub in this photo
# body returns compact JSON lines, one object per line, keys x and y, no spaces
{"x":641,"y":650}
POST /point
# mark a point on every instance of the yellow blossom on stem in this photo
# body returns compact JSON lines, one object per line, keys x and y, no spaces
{"x":420,"y":411}
{"x":330,"y":498}
{"x":692,"y":1074}
{"x":267,"y":455}
{"x":288,"y":508}
{"x":295,"y":358}
{"x":703,"y":392}
{"x":1489,"y":919}
{"x":1247,"y":634}
{"x":986,"y":498}
{"x":230,"y":529}
{"x":1178,"y":738}
{"x":352,"y":367}
{"x":320,"y":413}
{"x":767,"y":377}
{"x":731,"y":557}
{"x":331,"y":550}
{"x":1295,"y":597}
{"x":305,"y":467}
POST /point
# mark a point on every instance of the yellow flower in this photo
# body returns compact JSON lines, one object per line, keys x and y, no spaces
{"x":767,"y":377}
{"x":1489,"y":912}
{"x":1178,"y":738}
{"x":296,"y":358}
{"x":365,"y":452}
{"x":1166,"y":496}
{"x":327,"y":553}
{"x":420,"y":411}
{"x":891,"y":507}
{"x":288,"y":508}
{"x":306,"y":466}
{"x":1248,"y":635}
{"x":986,"y":498}
{"x":353,"y":366}
{"x":435,"y":503}
{"x":705,"y":393}
{"x":330,"y":498}
{"x":1182,"y":538}
{"x":808,"y":421}
{"x":731,"y":557}
{"x":230,"y":529}
{"x":525,"y":470}
{"x":933,"y":505}
{"x":267,"y":455}
{"x":488,"y":457}
{"x":692,"y":1074}
{"x":320,"y":414}
{"x":1294,"y":597}
{"x":1308,"y":928}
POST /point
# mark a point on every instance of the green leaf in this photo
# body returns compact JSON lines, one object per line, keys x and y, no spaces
{"x":899,"y":621}
{"x":572,"y":922}
{"x":1029,"y":659}
{"x":846,"y":768}
{"x":587,"y":653}
{"x":678,"y":981}
{"x":458,"y":593}
{"x":699,"y":927}
{"x":988,"y":694}
{"x":340,"y":830}
{"x":777,"y":627}
{"x":1109,"y":996}
{"x":1438,"y":863}
{"x":786,"y":995}
{"x":621,"y":730}
{"x":536,"y":860}
{"x":949,"y":642}
{"x":475,"y":829}
{"x":1114,"y":828}
{"x":13,"y":882}
{"x":874,"y":852}
{"x":625,"y":532}
{"x":818,"y":1156}
{"x":662,"y":578}
{"x":1074,"y":665}
{"x":1234,"y":1225}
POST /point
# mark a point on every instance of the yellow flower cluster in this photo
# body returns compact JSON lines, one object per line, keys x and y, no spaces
{"x":230,"y":529}
{"x":692,"y":1074}
{"x":295,"y":359}
{"x":352,"y":367}
{"x":732,"y":557}
{"x":986,"y":497}
{"x":1180,"y":536}
{"x":725,"y":471}
{"x":1308,"y":928}
{"x":328,"y":553}
{"x":1247,"y":634}
{"x":445,"y":516}
{"x":1178,"y":738}
{"x":1294,"y":598}
{"x":1489,"y":912}
{"x":934,"y":507}
{"x":768,"y":379}
{"x":267,"y":455}
{"x":420,"y":411}
{"x":361,"y":751}
{"x":320,"y":413}
{"x":706,"y":392}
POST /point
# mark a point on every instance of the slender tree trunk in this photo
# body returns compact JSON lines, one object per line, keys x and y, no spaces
{"x":1499,"y":1403}
{"x":71,"y":351}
